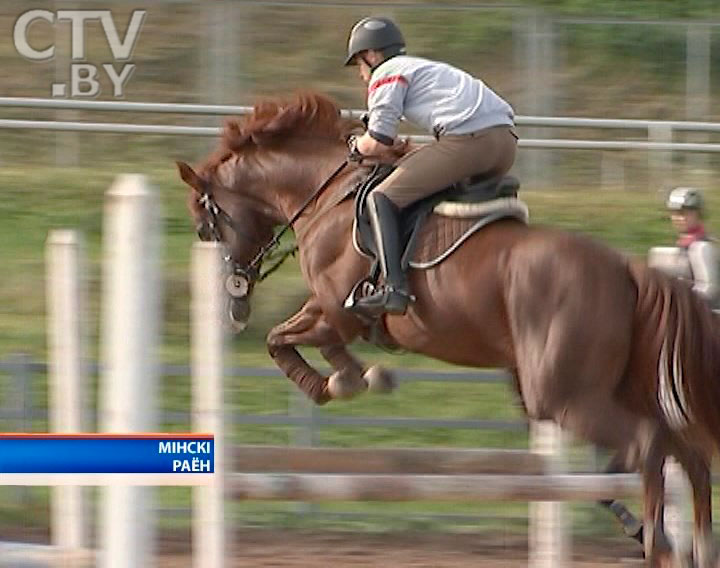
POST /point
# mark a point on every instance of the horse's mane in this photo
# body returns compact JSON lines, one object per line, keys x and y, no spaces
{"x":273,"y":121}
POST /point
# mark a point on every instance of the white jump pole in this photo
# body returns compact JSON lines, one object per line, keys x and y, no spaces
{"x":130,"y":326}
{"x":549,"y":542}
{"x":67,"y":373}
{"x":207,"y":379}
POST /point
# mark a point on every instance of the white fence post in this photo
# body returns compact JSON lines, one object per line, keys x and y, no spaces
{"x":67,"y":373}
{"x":612,"y":170}
{"x":698,"y":86}
{"x":549,"y":542}
{"x":678,"y":506}
{"x":539,"y":90}
{"x":130,"y":311}
{"x":208,"y":341}
{"x":660,"y":164}
{"x":67,"y":144}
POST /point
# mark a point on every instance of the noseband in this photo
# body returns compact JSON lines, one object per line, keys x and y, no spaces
{"x":244,"y":276}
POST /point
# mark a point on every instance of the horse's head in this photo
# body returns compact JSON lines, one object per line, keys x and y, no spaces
{"x":265,"y":173}
{"x":238,"y":222}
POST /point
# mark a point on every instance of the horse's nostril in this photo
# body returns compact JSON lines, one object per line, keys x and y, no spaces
{"x":240,"y":310}
{"x":239,"y":313}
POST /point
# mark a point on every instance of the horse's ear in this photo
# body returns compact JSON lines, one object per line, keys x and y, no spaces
{"x":189,"y":176}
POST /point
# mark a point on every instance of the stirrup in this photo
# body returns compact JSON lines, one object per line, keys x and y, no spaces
{"x":362,"y":288}
{"x":382,"y":300}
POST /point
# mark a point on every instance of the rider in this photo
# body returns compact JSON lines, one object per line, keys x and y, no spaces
{"x":472,"y":125}
{"x":700,"y":253}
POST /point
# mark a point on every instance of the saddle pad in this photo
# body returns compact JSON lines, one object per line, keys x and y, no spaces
{"x":441,"y":235}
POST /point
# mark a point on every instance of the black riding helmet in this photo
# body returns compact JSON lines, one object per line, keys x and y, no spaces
{"x":380,"y":34}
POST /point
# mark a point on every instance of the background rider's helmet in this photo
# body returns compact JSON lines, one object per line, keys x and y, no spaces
{"x":685,"y":198}
{"x":380,"y":34}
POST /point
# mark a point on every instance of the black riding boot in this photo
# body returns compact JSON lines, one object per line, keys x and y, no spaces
{"x":393,"y":296}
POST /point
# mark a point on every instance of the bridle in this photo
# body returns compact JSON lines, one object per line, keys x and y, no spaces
{"x":244,"y":276}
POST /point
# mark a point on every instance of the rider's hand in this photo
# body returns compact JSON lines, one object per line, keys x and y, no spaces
{"x":401,"y":146}
{"x":354,"y":155}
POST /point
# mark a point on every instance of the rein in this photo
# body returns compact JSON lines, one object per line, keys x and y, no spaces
{"x":250,"y":272}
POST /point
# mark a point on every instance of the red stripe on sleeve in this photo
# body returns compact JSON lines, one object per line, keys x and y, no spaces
{"x":385,"y":81}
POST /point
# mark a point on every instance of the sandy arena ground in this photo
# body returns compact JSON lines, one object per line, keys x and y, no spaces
{"x":296,"y":549}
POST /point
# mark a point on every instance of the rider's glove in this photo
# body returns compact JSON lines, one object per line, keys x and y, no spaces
{"x":354,"y":154}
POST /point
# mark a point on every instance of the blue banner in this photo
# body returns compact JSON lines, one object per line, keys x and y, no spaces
{"x":98,"y":453}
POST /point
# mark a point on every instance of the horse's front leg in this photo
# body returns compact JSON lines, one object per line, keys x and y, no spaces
{"x":310,"y":327}
{"x":347,"y":368}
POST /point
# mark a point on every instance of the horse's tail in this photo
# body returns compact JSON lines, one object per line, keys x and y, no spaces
{"x":677,"y":350}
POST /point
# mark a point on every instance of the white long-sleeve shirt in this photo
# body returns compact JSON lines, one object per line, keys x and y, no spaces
{"x":435,"y":96}
{"x":698,"y":262}
{"x":703,"y":262}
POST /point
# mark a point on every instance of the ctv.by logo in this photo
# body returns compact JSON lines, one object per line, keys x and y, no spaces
{"x":83,"y":76}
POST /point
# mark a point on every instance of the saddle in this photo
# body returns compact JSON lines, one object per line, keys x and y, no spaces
{"x":476,"y":202}
{"x":431,"y":229}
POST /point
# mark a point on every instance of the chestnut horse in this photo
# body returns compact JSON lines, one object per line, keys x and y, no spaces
{"x":617,"y":353}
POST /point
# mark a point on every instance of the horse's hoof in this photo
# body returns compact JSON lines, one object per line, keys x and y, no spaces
{"x":380,"y":380}
{"x":345,"y":386}
{"x":634,"y":530}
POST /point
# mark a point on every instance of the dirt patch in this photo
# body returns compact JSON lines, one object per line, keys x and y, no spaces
{"x":295,"y":549}
{"x":263,"y":548}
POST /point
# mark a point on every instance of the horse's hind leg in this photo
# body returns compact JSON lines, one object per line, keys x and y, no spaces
{"x":601,"y":420}
{"x":658,"y":551}
{"x":698,"y":471}
{"x":647,"y":449}
{"x":632,"y":526}
{"x":697,"y":467}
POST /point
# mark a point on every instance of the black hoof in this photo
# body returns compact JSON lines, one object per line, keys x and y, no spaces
{"x":635,"y":531}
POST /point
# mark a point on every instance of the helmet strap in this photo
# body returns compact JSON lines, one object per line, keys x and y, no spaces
{"x":366,"y":62}
{"x":388,"y":53}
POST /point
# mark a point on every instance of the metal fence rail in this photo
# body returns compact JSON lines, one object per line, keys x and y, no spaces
{"x":226,"y":110}
{"x":557,"y":144}
{"x":659,"y":133}
{"x":21,"y":410}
